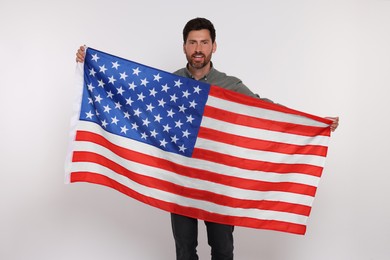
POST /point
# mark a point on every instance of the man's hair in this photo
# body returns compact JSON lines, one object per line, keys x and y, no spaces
{"x":197,"y":24}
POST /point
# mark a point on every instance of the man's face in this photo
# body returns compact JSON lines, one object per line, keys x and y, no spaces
{"x":199,"y":48}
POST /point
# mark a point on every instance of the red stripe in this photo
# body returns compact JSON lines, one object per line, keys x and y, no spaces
{"x":193,"y":172}
{"x":187,"y":211}
{"x":256,"y":144}
{"x":260,"y":123}
{"x":255,"y":102}
{"x":250,"y":164}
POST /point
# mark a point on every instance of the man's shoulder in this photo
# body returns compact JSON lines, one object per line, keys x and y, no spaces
{"x":180,"y":72}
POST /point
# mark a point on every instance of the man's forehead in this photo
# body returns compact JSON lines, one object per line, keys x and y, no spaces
{"x":203,"y":34}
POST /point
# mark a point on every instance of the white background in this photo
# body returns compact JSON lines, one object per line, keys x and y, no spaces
{"x":323,"y":57}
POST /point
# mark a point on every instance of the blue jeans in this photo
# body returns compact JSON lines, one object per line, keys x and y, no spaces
{"x":185,"y":233}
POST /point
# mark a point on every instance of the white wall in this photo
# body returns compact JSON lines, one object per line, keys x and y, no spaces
{"x":323,"y":57}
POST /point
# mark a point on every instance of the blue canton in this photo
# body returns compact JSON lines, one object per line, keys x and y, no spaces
{"x":142,"y":103}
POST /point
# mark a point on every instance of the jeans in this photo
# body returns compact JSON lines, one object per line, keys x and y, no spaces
{"x":185,"y":233}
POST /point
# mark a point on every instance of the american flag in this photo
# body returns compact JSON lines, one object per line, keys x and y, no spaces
{"x":194,"y":149}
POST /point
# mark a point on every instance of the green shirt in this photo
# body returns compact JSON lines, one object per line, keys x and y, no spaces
{"x":220,"y":79}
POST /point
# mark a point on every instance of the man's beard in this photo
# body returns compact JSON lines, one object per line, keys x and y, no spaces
{"x":198,"y":64}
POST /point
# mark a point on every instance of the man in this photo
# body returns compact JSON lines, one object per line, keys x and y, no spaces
{"x":199,"y":45}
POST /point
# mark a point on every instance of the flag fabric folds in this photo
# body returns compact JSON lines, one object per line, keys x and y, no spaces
{"x":195,"y":149}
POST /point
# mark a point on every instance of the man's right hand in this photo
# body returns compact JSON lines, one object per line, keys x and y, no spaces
{"x":80,"y":54}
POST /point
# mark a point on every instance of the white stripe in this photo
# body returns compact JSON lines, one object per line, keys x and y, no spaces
{"x":201,"y":164}
{"x":262,"y":113}
{"x":194,"y":183}
{"x":264,"y":156}
{"x":262,"y":134}
{"x":188,"y":202}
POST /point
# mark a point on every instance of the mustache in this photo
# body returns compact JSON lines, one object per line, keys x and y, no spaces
{"x":198,"y":53}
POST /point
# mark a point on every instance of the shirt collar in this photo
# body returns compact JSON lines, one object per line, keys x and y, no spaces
{"x":205,"y":76}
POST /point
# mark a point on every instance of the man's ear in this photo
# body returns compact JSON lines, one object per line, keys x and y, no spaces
{"x":214,"y":47}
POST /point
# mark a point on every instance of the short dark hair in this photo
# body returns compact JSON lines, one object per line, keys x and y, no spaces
{"x":197,"y":24}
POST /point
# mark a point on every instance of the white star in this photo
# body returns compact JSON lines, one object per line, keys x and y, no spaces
{"x":134,"y":126}
{"x":157,"y":118}
{"x":145,"y":122}
{"x":90,"y":87}
{"x":157,"y":77}
{"x":190,"y":119}
{"x":144,"y":135}
{"x":111,"y":80}
{"x":171,"y":113}
{"x":186,"y":133}
{"x":104,"y":123}
{"x":174,"y":139}
{"x":153,"y":92}
{"x":165,"y":87}
{"x":129,"y":101}
{"x":109,"y":94}
{"x":114,"y":120}
{"x":153,"y":133}
{"x":173,"y":98}
{"x":182,"y":148}
{"x":178,"y":83}
{"x":103,"y":69}
{"x":141,"y":96}
{"x":120,"y":90}
{"x":124,"y":129}
{"x":115,"y":65}
{"x":193,"y":104}
{"x":118,"y":105}
{"x":166,"y":128}
{"x":132,"y":86}
{"x":101,"y":83}
{"x":137,"y":112}
{"x":89,"y":114}
{"x":107,"y":109}
{"x":98,"y":98}
{"x":123,"y":75}
{"x":163,"y":142}
{"x":90,"y":100}
{"x":197,"y":89}
{"x":161,"y":103}
{"x":144,"y":82}
{"x":136,"y":71}
{"x":182,"y":108}
{"x":149,"y":107}
{"x":92,"y":72}
{"x":186,"y":94}
{"x":127,"y":115}
{"x":95,"y":57}
{"x":178,"y":124}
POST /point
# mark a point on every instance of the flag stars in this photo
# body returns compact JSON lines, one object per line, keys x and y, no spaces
{"x":186,"y":94}
{"x":197,"y":89}
{"x":124,"y":129}
{"x":173,"y":98}
{"x":92,"y":72}
{"x":120,"y":90}
{"x":118,"y":105}
{"x":141,"y":96}
{"x":190,"y":119}
{"x":98,"y":99}
{"x":136,"y":71}
{"x":89,"y":114}
{"x":111,"y":80}
{"x":182,"y":108}
{"x":166,"y":128}
{"x":186,"y":133}
{"x":144,"y":82}
{"x":153,"y":133}
{"x":95,"y":57}
{"x":134,"y":126}
{"x":171,"y":113}
{"x":178,"y":124}
{"x":152,"y":92}
{"x":126,"y":115}
{"x":144,"y":136}
{"x":104,"y":123}
{"x":109,"y":94}
{"x":193,"y":104}
{"x":157,"y":77}
{"x":145,"y":122}
{"x":178,"y":83}
{"x":157,"y":118}
{"x":165,"y":88}
{"x":123,"y":75}
{"x":114,"y":120}
{"x":107,"y":109}
{"x":182,"y":148}
{"x":90,"y":87}
{"x":132,"y":86}
{"x":101,"y":83}
{"x":174,"y":139}
{"x":102,"y":69}
{"x":163,"y":143}
{"x":161,"y":103}
{"x":149,"y":107}
{"x":115,"y":65}
{"x":137,"y":112}
{"x":129,"y":101}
